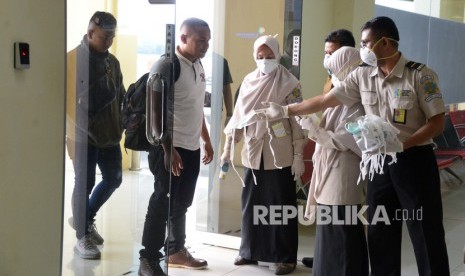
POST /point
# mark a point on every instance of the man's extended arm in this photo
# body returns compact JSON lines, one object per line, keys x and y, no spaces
{"x":313,"y":105}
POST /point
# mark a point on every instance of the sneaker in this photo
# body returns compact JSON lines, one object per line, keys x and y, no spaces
{"x":284,"y":268}
{"x":86,"y":248}
{"x":150,"y":268}
{"x":184,"y":259}
{"x":94,"y":235}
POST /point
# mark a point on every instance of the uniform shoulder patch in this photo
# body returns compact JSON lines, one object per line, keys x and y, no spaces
{"x":414,"y":65}
{"x":296,"y":95}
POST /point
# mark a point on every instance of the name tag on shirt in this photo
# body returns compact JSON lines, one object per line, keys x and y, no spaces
{"x":279,"y":130}
{"x":400,"y":116}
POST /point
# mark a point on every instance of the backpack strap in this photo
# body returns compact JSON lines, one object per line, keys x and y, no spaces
{"x":177,"y":68}
{"x":415,"y":65}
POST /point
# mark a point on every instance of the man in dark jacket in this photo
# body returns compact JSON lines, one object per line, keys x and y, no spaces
{"x":94,"y":96}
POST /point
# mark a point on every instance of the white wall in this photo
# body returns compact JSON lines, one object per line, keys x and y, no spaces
{"x":32,"y":133}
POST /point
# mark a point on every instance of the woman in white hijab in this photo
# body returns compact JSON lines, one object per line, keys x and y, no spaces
{"x":339,"y":249}
{"x":272,"y":157}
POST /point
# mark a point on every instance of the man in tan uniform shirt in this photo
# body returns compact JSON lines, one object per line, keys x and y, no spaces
{"x":407,"y":95}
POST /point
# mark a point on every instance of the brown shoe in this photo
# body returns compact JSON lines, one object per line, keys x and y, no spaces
{"x":241,"y":261}
{"x":184,"y":259}
{"x":284,"y":268}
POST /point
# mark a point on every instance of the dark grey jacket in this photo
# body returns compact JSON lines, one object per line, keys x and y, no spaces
{"x":99,"y":97}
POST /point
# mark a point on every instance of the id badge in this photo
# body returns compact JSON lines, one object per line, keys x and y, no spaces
{"x":279,"y":130}
{"x":400,"y":116}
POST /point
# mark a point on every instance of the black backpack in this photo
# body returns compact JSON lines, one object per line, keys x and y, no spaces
{"x":133,"y":112}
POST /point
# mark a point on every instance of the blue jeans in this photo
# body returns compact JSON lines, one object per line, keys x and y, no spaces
{"x":181,"y":197}
{"x":87,"y":200}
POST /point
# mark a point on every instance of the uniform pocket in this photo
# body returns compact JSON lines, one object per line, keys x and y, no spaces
{"x":402,"y":103}
{"x":369,"y":98}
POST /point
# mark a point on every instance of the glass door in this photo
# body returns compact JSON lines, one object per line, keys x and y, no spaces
{"x":236,"y":25}
{"x":140,"y":40}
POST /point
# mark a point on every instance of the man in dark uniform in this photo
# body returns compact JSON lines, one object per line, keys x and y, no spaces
{"x":407,"y":95}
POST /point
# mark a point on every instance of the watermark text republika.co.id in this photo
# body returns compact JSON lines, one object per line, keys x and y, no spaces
{"x":335,"y":215}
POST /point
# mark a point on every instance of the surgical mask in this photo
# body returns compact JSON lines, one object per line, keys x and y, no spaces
{"x":325,"y":63}
{"x":369,"y":57}
{"x":376,"y":139}
{"x":266,"y":66}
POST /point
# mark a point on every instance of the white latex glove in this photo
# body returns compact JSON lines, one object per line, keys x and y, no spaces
{"x":299,"y":145}
{"x":273,"y":111}
{"x":311,"y":123}
{"x":298,"y":167}
{"x":308,"y":122}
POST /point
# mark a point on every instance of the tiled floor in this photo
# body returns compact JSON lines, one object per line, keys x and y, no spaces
{"x":121,"y":220}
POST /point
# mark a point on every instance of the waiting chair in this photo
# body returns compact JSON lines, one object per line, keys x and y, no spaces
{"x":449,"y":148}
{"x":457,"y":119}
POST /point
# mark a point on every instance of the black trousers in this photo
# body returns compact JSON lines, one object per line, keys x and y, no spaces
{"x":181,"y":197}
{"x":340,"y":249}
{"x":269,"y":241}
{"x":409,"y":191}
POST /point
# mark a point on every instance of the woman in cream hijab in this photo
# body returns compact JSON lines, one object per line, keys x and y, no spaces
{"x":339,"y":249}
{"x":272,"y":157}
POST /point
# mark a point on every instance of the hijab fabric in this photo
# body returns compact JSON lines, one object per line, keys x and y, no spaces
{"x":257,"y":88}
{"x":343,"y":61}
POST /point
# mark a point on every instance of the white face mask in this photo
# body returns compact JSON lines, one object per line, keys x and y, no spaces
{"x":325,"y":63}
{"x":368,"y":56}
{"x":266,"y":66}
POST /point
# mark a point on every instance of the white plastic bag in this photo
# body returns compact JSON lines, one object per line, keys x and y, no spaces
{"x":377,"y":139}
